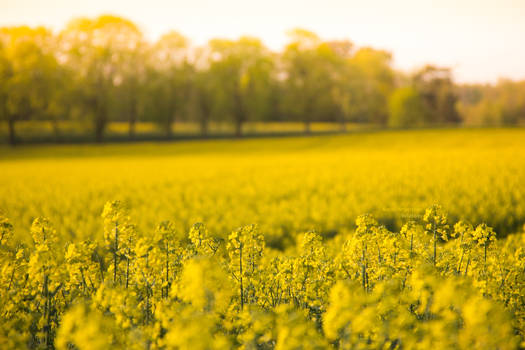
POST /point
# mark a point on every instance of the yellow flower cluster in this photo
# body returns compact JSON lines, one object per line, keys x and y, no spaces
{"x":427,"y":286}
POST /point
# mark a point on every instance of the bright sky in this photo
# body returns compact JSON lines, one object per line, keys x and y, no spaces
{"x":482,"y":40}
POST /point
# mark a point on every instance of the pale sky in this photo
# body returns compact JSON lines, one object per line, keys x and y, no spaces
{"x":482,"y":40}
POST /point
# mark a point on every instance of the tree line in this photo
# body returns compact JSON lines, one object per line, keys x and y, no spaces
{"x":103,"y":69}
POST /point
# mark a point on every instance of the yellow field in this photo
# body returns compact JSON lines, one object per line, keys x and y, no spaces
{"x":313,"y":273}
{"x":287,"y":186}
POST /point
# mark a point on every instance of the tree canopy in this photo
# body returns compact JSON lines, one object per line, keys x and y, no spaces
{"x":103,"y":69}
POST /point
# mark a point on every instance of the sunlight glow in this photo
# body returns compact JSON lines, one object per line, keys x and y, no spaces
{"x":481,"y":40}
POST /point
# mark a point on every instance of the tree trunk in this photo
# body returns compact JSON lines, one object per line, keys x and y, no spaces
{"x":100,"y":119}
{"x":56,"y":130}
{"x":204,"y":126}
{"x":132,"y":120}
{"x":238,"y":114}
{"x":307,"y":129}
{"x":169,"y":131}
{"x":100,"y":125}
{"x":132,"y":129}
{"x":12,"y":135}
{"x":238,"y":128}
{"x":169,"y":128}
{"x":100,"y":107}
{"x":342,"y":123}
{"x":205,"y":112}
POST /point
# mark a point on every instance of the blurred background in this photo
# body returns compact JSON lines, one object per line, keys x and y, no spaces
{"x":71,"y":73}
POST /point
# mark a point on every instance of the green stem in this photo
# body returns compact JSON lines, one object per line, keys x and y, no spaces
{"x":115,"y":249}
{"x":435,"y":246}
{"x":240,"y":273}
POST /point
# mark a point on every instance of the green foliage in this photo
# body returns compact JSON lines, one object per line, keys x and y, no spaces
{"x":167,"y":80}
{"x":436,"y":87}
{"x":499,"y":104}
{"x":242,"y":73}
{"x":31,"y":76}
{"x":100,"y":52}
{"x":102,"y":70}
{"x":406,"y":108}
{"x":373,"y":84}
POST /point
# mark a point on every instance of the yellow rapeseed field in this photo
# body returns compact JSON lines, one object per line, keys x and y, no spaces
{"x":385,"y":240}
{"x":287,"y":186}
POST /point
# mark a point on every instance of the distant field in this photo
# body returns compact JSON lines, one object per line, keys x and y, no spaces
{"x":286,"y":185}
{"x":74,"y":131}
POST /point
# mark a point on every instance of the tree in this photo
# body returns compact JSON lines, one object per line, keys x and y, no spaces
{"x":511,"y":95}
{"x":28,"y":75}
{"x":373,"y":83}
{"x":303,"y":76}
{"x":503,"y":103}
{"x":202,"y":94}
{"x":320,"y":79}
{"x":99,"y":51}
{"x":130,"y":87}
{"x":169,"y":77}
{"x":406,"y":108}
{"x":436,"y":87}
{"x":342,"y":77}
{"x":242,"y":72}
